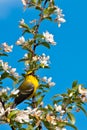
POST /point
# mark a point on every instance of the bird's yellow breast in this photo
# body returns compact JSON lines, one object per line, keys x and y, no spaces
{"x":31,"y":79}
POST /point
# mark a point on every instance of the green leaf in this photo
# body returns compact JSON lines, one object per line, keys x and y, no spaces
{"x":13,"y":113}
{"x":39,"y":2}
{"x":38,"y":94}
{"x":30,"y":127}
{"x":63,"y":124}
{"x":49,"y":10}
{"x":38,"y":36}
{"x":34,"y":1}
{"x":40,"y":99}
{"x":50,"y":107}
{"x":27,"y":31}
{"x":1,"y":69}
{"x":38,"y":8}
{"x":46,"y":44}
{"x":43,"y":86}
{"x":48,"y":18}
{"x":48,"y":125}
{"x":4,"y":75}
{"x":56,"y":96}
{"x":13,"y":78}
{"x":79,"y":106}
{"x":21,"y":60}
{"x":3,"y":54}
{"x":57,"y":101}
{"x":25,"y":26}
{"x":71,"y":117}
{"x":71,"y":125}
{"x":74,"y":84}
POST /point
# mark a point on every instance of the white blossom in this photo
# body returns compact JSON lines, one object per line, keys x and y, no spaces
{"x":33,"y":21}
{"x":49,"y":37}
{"x":34,"y":111}
{"x":22,"y":22}
{"x":59,"y":11}
{"x":22,"y":117}
{"x":6,"y":47}
{"x":12,"y":71}
{"x":60,"y":17}
{"x":24,"y":2}
{"x":44,"y":60}
{"x":35,"y":58}
{"x":63,"y":128}
{"x":51,"y":0}
{"x":59,"y":128}
{"x":44,"y":79}
{"x":2,"y":111}
{"x":46,"y":107}
{"x":29,"y":109}
{"x":60,"y":20}
{"x":58,"y":108}
{"x":48,"y":81}
{"x":82,"y":90}
{"x":25,"y":55}
{"x":42,"y":103}
{"x":9,"y":69}
{"x":8,"y":89}
{"x":15,"y":91}
{"x":5,"y":66}
{"x":51,"y":119}
{"x":4,"y":91}
{"x":20,"y":41}
{"x":51,"y":84}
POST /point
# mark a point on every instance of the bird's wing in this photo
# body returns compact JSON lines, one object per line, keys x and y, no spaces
{"x":24,"y":93}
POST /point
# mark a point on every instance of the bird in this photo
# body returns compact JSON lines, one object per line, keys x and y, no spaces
{"x":27,"y":89}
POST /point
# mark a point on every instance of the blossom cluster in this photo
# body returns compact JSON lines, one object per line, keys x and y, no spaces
{"x":23,"y":115}
{"x":60,"y":17}
{"x":42,"y":59}
{"x":8,"y":69}
{"x":58,"y":108}
{"x":53,"y":119}
{"x":26,"y":116}
{"x":6,"y":47}
{"x":49,"y":37}
{"x":48,"y":81}
{"x":83,"y":93}
{"x":4,"y":91}
{"x":20,"y":41}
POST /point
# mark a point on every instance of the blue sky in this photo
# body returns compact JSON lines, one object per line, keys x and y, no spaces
{"x":68,"y":57}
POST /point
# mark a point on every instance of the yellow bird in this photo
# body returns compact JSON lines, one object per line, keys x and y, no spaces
{"x":27,"y":89}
